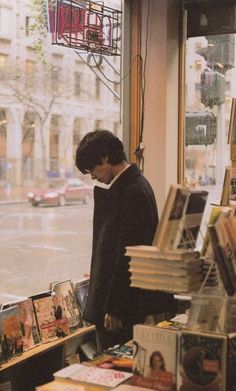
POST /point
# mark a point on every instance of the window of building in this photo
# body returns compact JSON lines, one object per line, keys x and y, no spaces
{"x":55,"y":75}
{"x":209,"y":89}
{"x":3,"y":134}
{"x":77,"y":133}
{"x":30,"y":73}
{"x":97,"y":88}
{"x":77,"y":84}
{"x":6,"y":17}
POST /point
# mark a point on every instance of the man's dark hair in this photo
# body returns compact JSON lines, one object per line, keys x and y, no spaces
{"x":98,"y":145}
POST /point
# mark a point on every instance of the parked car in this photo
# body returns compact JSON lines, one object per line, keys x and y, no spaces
{"x":62,"y":193}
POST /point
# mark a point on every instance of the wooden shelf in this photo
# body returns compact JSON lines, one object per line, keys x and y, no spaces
{"x":42,"y":348}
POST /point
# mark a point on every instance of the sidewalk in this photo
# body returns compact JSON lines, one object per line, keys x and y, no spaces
{"x":14,"y":195}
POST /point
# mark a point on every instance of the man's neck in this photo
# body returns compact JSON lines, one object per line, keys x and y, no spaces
{"x":118,"y":168}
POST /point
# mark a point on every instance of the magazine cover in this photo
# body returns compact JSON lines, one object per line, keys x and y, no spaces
{"x":10,"y":334}
{"x":65,"y":290}
{"x":28,"y":323}
{"x":155,"y":357}
{"x":51,"y":319}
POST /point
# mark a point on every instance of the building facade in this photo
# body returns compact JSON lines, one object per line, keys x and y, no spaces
{"x":46,"y":106}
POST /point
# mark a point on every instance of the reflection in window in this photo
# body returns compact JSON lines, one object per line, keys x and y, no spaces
{"x":210,"y":86}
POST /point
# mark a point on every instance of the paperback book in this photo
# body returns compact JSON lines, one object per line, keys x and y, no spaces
{"x":155,"y":351}
{"x":201,"y":363}
{"x":224,"y":256}
{"x":91,"y":375}
{"x":181,"y":219}
{"x":152,"y":252}
{"x":28,"y":323}
{"x":65,"y":291}
{"x":81,"y":288}
{"x":11,"y":340}
{"x":167,"y":283}
{"x":51,"y":319}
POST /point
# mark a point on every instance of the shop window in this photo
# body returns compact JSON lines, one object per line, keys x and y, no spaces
{"x":208,"y":104}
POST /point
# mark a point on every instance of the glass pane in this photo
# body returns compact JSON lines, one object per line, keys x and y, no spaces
{"x":210,"y":86}
{"x":46,"y":108}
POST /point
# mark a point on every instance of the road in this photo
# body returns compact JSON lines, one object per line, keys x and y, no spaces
{"x":42,"y":245}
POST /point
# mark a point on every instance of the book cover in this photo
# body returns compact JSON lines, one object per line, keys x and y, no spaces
{"x":189,"y":229}
{"x":65,"y":290}
{"x":51,"y":320}
{"x":232,"y":123}
{"x":155,"y":351}
{"x":171,"y":217}
{"x":225,"y":188}
{"x":11,"y":340}
{"x":81,"y":289}
{"x":201,"y":363}
{"x":92,"y":375}
{"x":28,"y":323}
{"x":181,"y":219}
{"x":216,"y":214}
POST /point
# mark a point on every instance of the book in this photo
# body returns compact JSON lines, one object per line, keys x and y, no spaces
{"x":58,"y":385}
{"x":81,"y":289}
{"x":165,"y":287}
{"x":152,"y":252}
{"x":92,"y":375}
{"x":184,"y":268}
{"x":172,"y":214}
{"x":129,"y":387}
{"x":28,"y":323}
{"x":232,"y":123}
{"x":191,"y":222}
{"x":155,"y":352}
{"x":224,"y":201}
{"x":181,"y":219}
{"x":216,"y":214}
{"x":223,"y":260}
{"x":167,"y":278}
{"x":232,"y":188}
{"x":201,"y":363}
{"x":52,"y":323}
{"x":11,"y":340}
{"x":65,"y":291}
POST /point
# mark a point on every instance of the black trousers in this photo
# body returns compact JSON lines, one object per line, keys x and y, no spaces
{"x":106,"y":339}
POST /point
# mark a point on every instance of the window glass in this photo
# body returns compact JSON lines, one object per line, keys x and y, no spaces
{"x":46,"y":107}
{"x":209,"y":89}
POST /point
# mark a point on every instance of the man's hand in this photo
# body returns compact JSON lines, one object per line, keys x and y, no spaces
{"x":112,"y":324}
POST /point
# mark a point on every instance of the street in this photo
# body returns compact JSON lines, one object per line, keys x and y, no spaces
{"x":42,"y":245}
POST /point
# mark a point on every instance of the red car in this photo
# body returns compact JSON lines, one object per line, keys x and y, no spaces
{"x":60,"y":194}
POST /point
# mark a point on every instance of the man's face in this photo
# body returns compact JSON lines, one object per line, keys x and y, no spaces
{"x":103,"y":172}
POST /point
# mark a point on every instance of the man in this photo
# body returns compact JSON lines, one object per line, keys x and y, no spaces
{"x":124,"y":214}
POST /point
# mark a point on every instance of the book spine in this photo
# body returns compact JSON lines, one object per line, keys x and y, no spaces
{"x":225,"y":266}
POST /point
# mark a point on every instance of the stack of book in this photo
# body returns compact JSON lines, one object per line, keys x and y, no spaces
{"x":171,"y":271}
